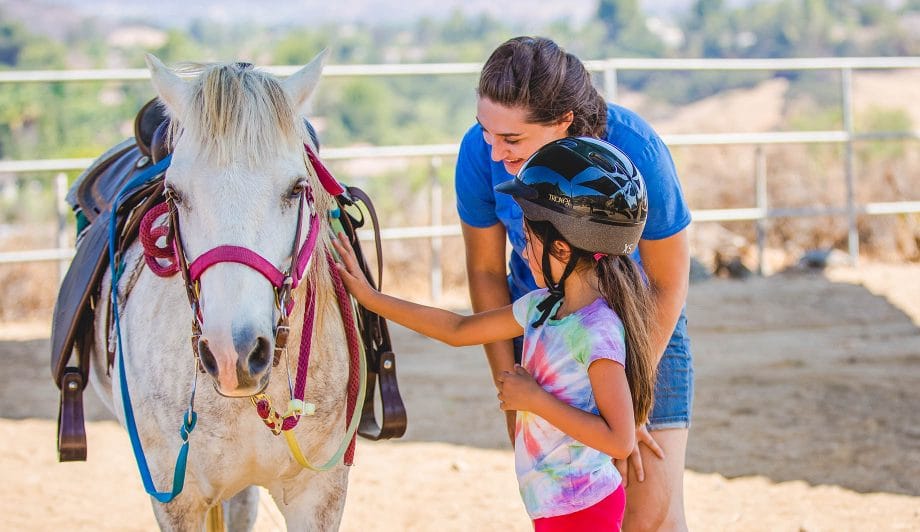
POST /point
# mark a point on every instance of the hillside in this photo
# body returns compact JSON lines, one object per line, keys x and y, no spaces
{"x":798,"y":175}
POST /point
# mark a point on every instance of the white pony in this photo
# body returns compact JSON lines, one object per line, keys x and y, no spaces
{"x":237,"y":169}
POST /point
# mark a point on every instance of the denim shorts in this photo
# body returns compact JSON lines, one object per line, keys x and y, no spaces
{"x":674,"y":386}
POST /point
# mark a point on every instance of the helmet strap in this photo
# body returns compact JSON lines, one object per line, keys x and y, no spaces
{"x":556,"y":290}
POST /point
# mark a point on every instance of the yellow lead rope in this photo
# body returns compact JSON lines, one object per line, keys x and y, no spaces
{"x":349,"y":433}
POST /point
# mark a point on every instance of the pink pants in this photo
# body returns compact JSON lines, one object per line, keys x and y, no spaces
{"x":607,"y":515}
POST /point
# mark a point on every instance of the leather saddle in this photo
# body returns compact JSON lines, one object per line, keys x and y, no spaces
{"x":92,"y":197}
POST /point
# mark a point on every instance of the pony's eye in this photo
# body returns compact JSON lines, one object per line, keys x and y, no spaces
{"x":298,"y":188}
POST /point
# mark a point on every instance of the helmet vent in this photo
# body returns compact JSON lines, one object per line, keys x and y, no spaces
{"x":568,"y":143}
{"x":601,"y":161}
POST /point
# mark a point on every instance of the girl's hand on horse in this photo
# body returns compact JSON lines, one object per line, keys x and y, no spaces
{"x":347,"y":264}
{"x":518,"y":390}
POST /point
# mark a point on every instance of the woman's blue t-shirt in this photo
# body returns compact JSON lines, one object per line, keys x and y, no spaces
{"x":480,"y":206}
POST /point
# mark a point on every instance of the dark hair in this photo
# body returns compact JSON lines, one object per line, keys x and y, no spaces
{"x":538,"y":75}
{"x":623,"y":287}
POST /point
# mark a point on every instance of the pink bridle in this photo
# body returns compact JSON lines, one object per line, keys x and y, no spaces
{"x":247,"y":257}
{"x":173,"y":253}
{"x":283,"y":281}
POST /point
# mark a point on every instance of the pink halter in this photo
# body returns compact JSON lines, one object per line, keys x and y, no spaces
{"x":173,"y":255}
{"x":247,"y":257}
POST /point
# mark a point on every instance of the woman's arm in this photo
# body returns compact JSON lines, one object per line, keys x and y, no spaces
{"x":667,"y":265}
{"x":440,"y":324}
{"x":487,"y":276}
{"x":612,"y":432}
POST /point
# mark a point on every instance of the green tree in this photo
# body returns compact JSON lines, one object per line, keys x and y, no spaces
{"x":179,"y":47}
{"x":626,"y":30}
{"x":706,"y":29}
{"x":298,"y":47}
{"x":12,"y":39}
{"x":619,"y":16}
{"x":881,"y":119}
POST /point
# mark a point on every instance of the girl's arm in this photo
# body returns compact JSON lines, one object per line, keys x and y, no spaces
{"x":612,"y":432}
{"x":448,"y":327}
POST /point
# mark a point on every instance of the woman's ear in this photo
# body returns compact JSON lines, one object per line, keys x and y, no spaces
{"x":566,"y":122}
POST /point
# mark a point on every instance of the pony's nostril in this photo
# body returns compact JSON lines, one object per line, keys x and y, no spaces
{"x":207,"y":357}
{"x":260,"y":356}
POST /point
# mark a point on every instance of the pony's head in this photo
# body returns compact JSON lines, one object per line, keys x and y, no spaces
{"x":243,"y":197}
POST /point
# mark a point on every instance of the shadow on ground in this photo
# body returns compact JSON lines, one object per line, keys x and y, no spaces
{"x":27,"y":390}
{"x":800,"y":378}
{"x":797,"y":378}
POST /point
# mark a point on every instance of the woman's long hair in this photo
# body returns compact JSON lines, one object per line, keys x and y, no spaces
{"x":624,"y":288}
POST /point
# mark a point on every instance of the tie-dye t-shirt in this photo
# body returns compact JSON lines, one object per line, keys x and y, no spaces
{"x":557,"y":474}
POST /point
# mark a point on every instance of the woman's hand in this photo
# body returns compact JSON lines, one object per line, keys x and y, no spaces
{"x":634,"y":460}
{"x":518,"y":390}
{"x":352,"y":276}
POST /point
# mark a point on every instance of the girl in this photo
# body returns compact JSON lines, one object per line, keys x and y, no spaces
{"x":587,"y":374}
{"x":532,"y":92}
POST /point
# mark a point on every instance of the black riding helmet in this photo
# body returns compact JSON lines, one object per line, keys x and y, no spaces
{"x":590,"y":192}
{"x":588,"y":189}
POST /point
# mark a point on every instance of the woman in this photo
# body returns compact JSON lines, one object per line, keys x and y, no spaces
{"x":532,"y":92}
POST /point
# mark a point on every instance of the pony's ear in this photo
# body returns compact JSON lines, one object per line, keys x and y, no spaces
{"x":170,"y":87}
{"x":299,"y":86}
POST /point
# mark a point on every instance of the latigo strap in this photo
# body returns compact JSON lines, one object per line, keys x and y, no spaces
{"x":381,"y":361}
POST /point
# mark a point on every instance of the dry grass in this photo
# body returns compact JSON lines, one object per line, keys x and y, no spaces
{"x":28,"y":290}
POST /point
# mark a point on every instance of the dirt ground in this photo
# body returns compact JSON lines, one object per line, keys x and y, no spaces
{"x":805,"y":418}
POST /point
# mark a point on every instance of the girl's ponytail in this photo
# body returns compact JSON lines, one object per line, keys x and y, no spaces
{"x":624,"y":288}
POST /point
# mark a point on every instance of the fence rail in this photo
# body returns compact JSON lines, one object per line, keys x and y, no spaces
{"x":760,"y":213}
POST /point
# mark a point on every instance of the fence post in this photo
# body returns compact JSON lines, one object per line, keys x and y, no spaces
{"x":610,"y":83}
{"x":436,"y":240}
{"x":60,"y":200}
{"x":760,"y":199}
{"x":846,"y":79}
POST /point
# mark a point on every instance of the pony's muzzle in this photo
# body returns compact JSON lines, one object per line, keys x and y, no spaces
{"x":241,"y":372}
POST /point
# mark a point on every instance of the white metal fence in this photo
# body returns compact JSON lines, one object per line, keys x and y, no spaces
{"x":760,"y":213}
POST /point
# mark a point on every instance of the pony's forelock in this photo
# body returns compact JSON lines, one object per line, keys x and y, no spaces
{"x":237,"y":113}
{"x":241,"y":115}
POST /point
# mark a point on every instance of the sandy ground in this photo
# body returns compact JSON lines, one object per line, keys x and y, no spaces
{"x":806,"y":418}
